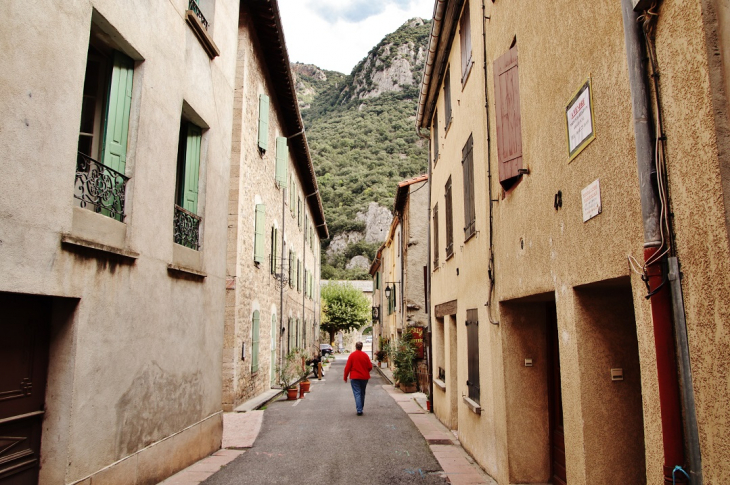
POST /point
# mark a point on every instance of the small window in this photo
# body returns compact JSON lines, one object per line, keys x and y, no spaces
{"x":259,"y":233}
{"x":449,"y":221}
{"x":447,"y":98}
{"x":435,"y":138}
{"x":263,"y":123}
{"x":465,"y":38}
{"x":255,"y":341}
{"x":187,"y":222}
{"x":436,"y":236}
{"x":299,"y":275}
{"x":509,"y":121}
{"x":299,"y":211}
{"x":274,"y":248}
{"x":291,"y":269}
{"x":472,"y":337}
{"x":467,"y":163}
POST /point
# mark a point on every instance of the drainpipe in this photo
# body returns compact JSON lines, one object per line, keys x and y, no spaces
{"x":659,"y":291}
{"x":429,"y":360}
{"x":281,"y":280}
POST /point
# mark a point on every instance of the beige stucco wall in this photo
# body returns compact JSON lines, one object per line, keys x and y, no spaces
{"x":251,"y":286}
{"x":541,"y":251}
{"x":135,"y":357}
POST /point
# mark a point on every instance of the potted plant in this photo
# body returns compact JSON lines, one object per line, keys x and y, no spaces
{"x":381,"y":356}
{"x":302,"y":370}
{"x":404,"y":359}
{"x":287,"y":376}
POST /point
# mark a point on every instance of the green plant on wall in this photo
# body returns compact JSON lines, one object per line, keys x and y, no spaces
{"x":404,"y":358}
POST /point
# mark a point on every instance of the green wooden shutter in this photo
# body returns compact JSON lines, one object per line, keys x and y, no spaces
{"x":255,"y":342}
{"x":258,"y":255}
{"x":274,"y":334}
{"x":282,"y":159}
{"x":192,"y":168}
{"x":263,"y":122}
{"x":116,"y":124}
{"x":273,"y":249}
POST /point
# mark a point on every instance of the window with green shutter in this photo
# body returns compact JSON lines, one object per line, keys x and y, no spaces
{"x":299,"y":211}
{"x":258,"y":252}
{"x":299,"y":277}
{"x":291,"y":269}
{"x":186,"y":222}
{"x":104,"y":130}
{"x":274,"y":248}
{"x":263,"y":122}
{"x":255,"y":341}
{"x":282,"y":160}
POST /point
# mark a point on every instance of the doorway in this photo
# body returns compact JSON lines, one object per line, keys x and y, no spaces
{"x":24,"y":326}
{"x":555,"y":399}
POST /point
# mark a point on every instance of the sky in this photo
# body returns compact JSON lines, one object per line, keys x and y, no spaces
{"x":337,"y":34}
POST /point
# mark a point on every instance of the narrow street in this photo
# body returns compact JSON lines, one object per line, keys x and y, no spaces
{"x":320,"y":439}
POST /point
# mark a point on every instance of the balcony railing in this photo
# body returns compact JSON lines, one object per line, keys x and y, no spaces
{"x":100,"y":187}
{"x":193,"y":5}
{"x":186,"y":230}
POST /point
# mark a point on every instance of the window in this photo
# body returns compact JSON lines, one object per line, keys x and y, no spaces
{"x":465,"y":38}
{"x":392,"y":301}
{"x":467,"y":164}
{"x":264,"y":123}
{"x":435,"y":138}
{"x":291,"y":269}
{"x":299,"y":211}
{"x":258,"y":246}
{"x":255,"y":341}
{"x":282,"y":160}
{"x":187,"y":222}
{"x":292,"y":194}
{"x":449,"y":222}
{"x":104,"y":129}
{"x":509,"y":122}
{"x":299,"y":275}
{"x":377,"y":280}
{"x":447,"y":98}
{"x":290,"y":334}
{"x":472,"y":338}
{"x":274,"y":248}
{"x":436,"y":236}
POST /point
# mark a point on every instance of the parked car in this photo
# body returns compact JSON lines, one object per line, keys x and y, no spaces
{"x":369,"y":340}
{"x":325,"y":349}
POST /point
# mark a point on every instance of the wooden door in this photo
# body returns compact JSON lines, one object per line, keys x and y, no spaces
{"x":555,"y":400}
{"x":24,"y":323}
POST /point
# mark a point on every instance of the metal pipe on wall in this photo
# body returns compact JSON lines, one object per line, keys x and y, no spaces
{"x":660,"y":298}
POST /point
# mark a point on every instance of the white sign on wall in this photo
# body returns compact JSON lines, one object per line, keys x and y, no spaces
{"x":579,"y":120}
{"x":591,"y":196}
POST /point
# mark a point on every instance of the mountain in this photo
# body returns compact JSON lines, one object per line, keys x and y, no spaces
{"x":363,"y":141}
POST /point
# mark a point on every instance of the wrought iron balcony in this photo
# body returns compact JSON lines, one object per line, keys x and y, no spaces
{"x":186,"y":228}
{"x":100,"y":187}
{"x":193,"y":5}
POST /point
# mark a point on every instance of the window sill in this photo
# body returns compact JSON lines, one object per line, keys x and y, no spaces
{"x":448,"y":125}
{"x":202,"y":34}
{"x":185,"y":270}
{"x":470,"y":236}
{"x":440,"y":384}
{"x":186,"y":259}
{"x":69,"y":239}
{"x":472,"y":405}
{"x":449,"y":257}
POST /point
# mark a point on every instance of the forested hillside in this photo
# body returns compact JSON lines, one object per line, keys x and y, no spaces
{"x":363,"y":140}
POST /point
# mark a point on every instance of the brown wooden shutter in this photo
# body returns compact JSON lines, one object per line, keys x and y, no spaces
{"x":465,"y":44}
{"x":467,"y":163}
{"x":472,"y":338}
{"x":509,"y":123}
{"x":435,"y":138}
{"x":436,"y":236}
{"x":449,"y":222}
{"x":447,"y":98}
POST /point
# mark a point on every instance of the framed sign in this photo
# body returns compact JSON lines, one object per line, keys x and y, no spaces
{"x":579,"y":120}
{"x":418,"y":340}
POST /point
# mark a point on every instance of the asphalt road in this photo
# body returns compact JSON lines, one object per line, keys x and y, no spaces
{"x":322,"y":441}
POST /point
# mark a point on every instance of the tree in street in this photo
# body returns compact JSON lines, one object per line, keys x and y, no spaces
{"x":344,"y":307}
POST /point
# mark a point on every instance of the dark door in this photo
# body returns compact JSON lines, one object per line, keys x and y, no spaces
{"x":24,"y":324}
{"x":557,"y":438}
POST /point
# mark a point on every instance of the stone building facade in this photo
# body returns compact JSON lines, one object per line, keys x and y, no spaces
{"x":549,"y":359}
{"x":114,"y":179}
{"x":398,"y":267}
{"x":275,"y":218}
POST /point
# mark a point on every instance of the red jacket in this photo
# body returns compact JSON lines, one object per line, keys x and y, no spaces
{"x":358,"y":365}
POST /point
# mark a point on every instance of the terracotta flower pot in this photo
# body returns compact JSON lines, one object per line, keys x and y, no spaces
{"x":409,"y":388}
{"x":291,"y":394}
{"x":304,"y":386}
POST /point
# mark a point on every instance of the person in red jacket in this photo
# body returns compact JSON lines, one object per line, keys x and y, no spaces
{"x":358,"y":367}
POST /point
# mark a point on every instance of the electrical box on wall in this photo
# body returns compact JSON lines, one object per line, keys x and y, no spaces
{"x":617,"y":374}
{"x":528,"y":362}
{"x":641,"y":5}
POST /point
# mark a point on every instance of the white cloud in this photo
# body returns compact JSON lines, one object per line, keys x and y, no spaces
{"x":337,"y":34}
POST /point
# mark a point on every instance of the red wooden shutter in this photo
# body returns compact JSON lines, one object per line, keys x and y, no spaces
{"x":509,"y":123}
{"x":472,"y":344}
{"x":467,"y":163}
{"x":435,"y":138}
{"x":447,"y":98}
